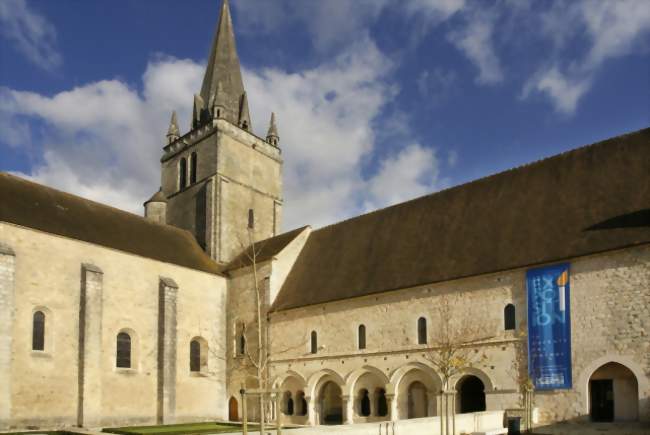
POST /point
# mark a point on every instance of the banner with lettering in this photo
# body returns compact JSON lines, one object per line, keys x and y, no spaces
{"x":549,"y":327}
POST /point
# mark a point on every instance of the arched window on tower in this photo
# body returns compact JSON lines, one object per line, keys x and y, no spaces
{"x":38,"y":331}
{"x":193,"y":165}
{"x":314,"y":342}
{"x":362,"y":336}
{"x":182,"y":174}
{"x":422,"y":330}
{"x":509,"y":318}
{"x":123,"y":353}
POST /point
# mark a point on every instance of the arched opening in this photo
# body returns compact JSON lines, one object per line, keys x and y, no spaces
{"x":233,"y":410}
{"x":613,"y":394}
{"x":364,"y":403}
{"x":422,"y":330}
{"x":301,"y":404}
{"x":382,"y":403}
{"x":509,"y":319}
{"x":182,"y":174}
{"x":362,"y":336}
{"x":471,"y":393}
{"x":195,"y":356}
{"x":123,"y":353}
{"x":38,"y":331}
{"x":193,"y":165}
{"x":314,"y":342}
{"x":287,"y":403}
{"x":331,"y":404}
{"x":417,"y":400}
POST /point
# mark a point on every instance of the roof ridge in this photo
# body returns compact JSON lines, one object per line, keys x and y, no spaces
{"x":487,"y":177}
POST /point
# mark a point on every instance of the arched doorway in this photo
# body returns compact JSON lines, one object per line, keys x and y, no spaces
{"x":471,"y":392}
{"x":331,"y":404}
{"x":417,"y":400}
{"x":233,"y":409}
{"x":613,"y":394}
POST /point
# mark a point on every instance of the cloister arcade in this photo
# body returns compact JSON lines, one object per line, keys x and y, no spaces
{"x":369,"y":395}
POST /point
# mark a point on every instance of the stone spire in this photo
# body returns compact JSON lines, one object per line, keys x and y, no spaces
{"x":173,"y":132}
{"x":272,"y":136}
{"x":222,"y":83}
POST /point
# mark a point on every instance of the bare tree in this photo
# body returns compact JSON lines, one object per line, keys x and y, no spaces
{"x":519,"y":372}
{"x":453,"y":351}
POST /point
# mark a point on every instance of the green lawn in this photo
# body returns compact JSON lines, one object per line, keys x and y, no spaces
{"x":175,"y":429}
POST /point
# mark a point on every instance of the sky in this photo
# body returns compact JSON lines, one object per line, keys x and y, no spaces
{"x":377,"y":101}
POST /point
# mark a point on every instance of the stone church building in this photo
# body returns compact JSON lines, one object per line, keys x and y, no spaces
{"x":108,"y":318}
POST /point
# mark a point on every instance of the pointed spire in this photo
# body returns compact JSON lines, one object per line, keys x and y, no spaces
{"x":244,"y":116}
{"x":197,"y":112}
{"x":223,"y":82}
{"x":272,"y":136}
{"x":173,"y":132}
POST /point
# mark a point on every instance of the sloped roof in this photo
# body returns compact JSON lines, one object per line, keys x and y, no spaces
{"x":589,"y":200}
{"x":42,"y":208}
{"x":265,"y":249}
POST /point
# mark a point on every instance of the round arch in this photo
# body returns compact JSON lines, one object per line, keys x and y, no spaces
{"x":321,"y":377}
{"x":487,"y":382}
{"x":398,"y":375}
{"x":280,"y":379}
{"x":643,"y":383}
{"x":416,"y":387}
{"x":352,"y":378}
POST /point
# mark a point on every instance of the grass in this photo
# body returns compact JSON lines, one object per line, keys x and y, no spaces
{"x":175,"y":429}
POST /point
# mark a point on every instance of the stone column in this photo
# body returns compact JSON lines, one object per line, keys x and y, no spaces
{"x":431,"y":403}
{"x":311,"y":411}
{"x":373,"y":404}
{"x":167,"y":350}
{"x":89,"y":405}
{"x":392,"y":407}
{"x":7,"y":279}
{"x":347,"y":404}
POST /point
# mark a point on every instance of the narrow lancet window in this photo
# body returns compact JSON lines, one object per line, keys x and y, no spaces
{"x":314,"y":342}
{"x":422,"y":330}
{"x":38,"y":331}
{"x":195,"y":356}
{"x":509,"y":319}
{"x":193,"y":165}
{"x":362,"y":337}
{"x":123,"y":354}
{"x":182,"y":174}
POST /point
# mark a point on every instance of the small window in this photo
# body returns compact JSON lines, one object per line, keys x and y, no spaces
{"x":362,"y":337}
{"x":509,"y":317}
{"x":182,"y":174}
{"x":195,"y":356}
{"x":241,"y":343}
{"x":38,"y":331}
{"x":364,"y":405}
{"x":123,"y":354}
{"x":314,"y":342}
{"x":288,"y":403}
{"x":251,"y":218}
{"x":382,"y":403}
{"x":301,"y":402}
{"x":422,"y":330}
{"x":193,"y":164}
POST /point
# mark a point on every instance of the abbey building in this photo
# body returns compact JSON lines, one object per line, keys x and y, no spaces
{"x":540,"y":275}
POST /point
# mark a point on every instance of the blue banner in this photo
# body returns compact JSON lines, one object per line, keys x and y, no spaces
{"x":549,"y":327}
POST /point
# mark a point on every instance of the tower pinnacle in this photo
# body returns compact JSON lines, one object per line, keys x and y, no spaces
{"x":173,"y":131}
{"x":272,"y":135}
{"x":222,"y":83}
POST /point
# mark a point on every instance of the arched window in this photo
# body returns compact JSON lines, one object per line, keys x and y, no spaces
{"x":38,"y":331}
{"x":422,"y":330}
{"x":288,"y":403}
{"x":195,"y":356}
{"x":362,"y":336}
{"x":193,"y":164}
{"x":301,"y":402}
{"x":364,"y":403}
{"x":314,"y":342}
{"x":182,"y":174}
{"x":241,"y":345}
{"x":509,"y":317}
{"x":123,"y":354}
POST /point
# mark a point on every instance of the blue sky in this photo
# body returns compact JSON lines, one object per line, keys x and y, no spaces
{"x":378,"y":101}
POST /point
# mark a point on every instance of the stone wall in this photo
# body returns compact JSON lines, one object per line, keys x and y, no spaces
{"x":610,"y":322}
{"x":89,"y":294}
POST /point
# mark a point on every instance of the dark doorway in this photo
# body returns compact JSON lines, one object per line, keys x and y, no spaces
{"x":602,"y":399}
{"x":331,"y":404}
{"x":233,"y":410}
{"x":472,"y":394}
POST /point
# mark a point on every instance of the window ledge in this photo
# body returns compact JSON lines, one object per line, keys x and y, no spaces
{"x":41,"y":354}
{"x":201,"y":374}
{"x":125,"y":370}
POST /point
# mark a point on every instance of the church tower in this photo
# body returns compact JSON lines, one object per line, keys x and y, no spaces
{"x":219,"y":173}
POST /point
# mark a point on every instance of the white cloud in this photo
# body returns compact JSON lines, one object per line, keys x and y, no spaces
{"x":103,"y":140}
{"x":611,"y":28}
{"x":411,"y":173}
{"x":475,"y":40}
{"x":32,"y":34}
